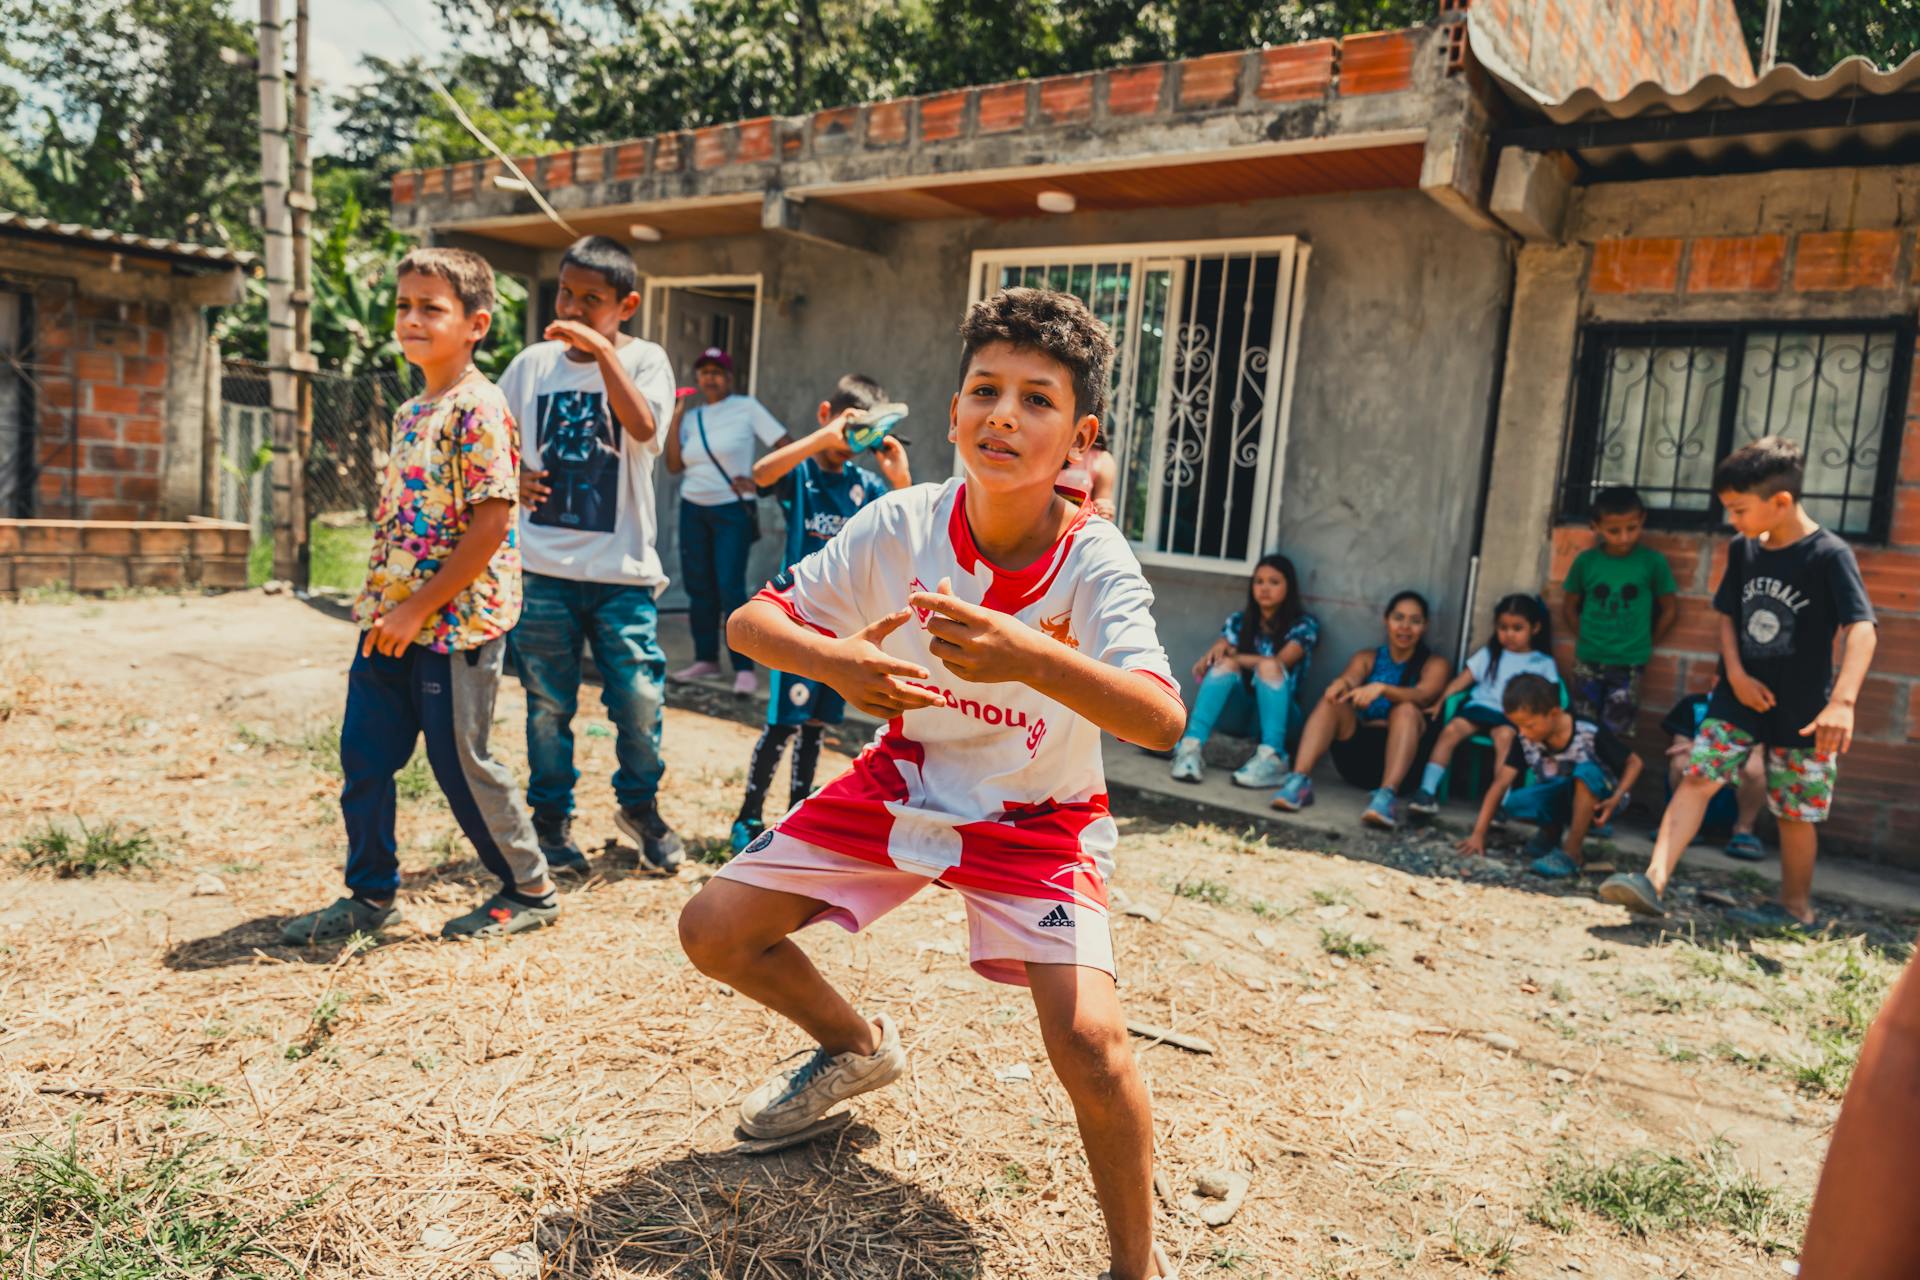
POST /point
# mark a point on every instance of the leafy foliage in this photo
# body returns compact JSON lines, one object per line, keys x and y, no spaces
{"x":1816,"y":34}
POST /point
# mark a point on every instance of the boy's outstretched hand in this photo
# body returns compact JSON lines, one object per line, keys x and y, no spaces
{"x":1832,"y":729}
{"x":975,"y":643}
{"x":875,"y":681}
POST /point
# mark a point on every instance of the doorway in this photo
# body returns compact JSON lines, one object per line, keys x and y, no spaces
{"x":686,"y":315}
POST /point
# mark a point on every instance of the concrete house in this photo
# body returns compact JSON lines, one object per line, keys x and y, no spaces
{"x":1366,"y":291}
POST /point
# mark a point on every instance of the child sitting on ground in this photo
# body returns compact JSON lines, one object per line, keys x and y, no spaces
{"x":1790,"y":588}
{"x":1522,"y":644}
{"x":1250,"y":677}
{"x":442,"y":590}
{"x":819,"y":490}
{"x":1741,"y":809}
{"x":1581,"y":772}
{"x":1619,"y":603}
{"x":999,"y":629}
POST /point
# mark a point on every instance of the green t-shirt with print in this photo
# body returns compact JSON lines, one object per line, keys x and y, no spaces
{"x":1616,"y":603}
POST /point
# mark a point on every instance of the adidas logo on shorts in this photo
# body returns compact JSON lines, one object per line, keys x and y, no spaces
{"x":1056,"y":919}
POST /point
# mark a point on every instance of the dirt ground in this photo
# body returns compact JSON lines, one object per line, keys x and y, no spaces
{"x":1420,"y":1074}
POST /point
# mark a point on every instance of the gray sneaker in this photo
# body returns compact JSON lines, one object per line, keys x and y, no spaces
{"x":1265,"y":770}
{"x":499,"y":916}
{"x":795,"y":1099}
{"x":336,"y":923}
{"x":1634,"y":892}
{"x":1187,"y":765}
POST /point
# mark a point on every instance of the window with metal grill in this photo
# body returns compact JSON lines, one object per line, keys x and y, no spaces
{"x":1658,"y":406}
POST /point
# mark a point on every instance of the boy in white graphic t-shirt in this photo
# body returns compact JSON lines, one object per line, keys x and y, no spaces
{"x":999,"y":630}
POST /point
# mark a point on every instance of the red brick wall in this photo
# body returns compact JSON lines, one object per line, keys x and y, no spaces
{"x":1559,"y":46}
{"x":116,"y":554}
{"x":102,"y":406}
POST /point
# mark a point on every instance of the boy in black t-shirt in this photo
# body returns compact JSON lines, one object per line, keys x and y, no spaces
{"x":1789,"y":587}
{"x":1581,"y":773}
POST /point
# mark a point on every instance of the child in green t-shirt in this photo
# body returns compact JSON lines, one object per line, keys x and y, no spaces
{"x":1619,"y":605}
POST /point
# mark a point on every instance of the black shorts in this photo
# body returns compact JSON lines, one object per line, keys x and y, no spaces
{"x":1362,"y":758}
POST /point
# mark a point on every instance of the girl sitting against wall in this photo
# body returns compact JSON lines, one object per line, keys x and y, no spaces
{"x":1372,"y":717}
{"x":1250,"y":677}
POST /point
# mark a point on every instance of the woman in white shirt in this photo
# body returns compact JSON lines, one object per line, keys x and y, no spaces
{"x":711,"y":447}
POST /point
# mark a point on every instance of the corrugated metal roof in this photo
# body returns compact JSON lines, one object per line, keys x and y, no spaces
{"x":1784,"y":84}
{"x":124,"y":242}
{"x":1856,"y":113}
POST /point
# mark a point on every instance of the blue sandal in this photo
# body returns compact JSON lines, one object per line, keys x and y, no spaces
{"x":1746,"y":847}
{"x":1555,"y":866}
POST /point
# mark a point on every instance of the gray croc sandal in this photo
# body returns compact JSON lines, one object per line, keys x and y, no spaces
{"x":1773,"y":916}
{"x":338,"y":922}
{"x":1634,"y":892}
{"x":499,"y":916}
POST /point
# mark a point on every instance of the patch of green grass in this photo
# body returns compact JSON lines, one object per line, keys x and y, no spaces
{"x":65,"y":1217}
{"x":1673,"y":1051}
{"x":1646,"y":1192}
{"x":1491,"y":1255}
{"x":89,"y":851}
{"x":1331,"y":897}
{"x":1751,"y":882}
{"x":1211,"y":892}
{"x":1830,"y":997}
{"x":1338,"y":942}
{"x":320,"y":1026}
{"x":415,"y":781}
{"x":712,"y":853}
{"x":1229,"y":1257}
{"x":336,"y":557}
{"x":189,"y":1094}
{"x":50,"y":593}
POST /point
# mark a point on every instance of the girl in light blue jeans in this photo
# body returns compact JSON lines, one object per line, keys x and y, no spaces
{"x":1249,"y":678}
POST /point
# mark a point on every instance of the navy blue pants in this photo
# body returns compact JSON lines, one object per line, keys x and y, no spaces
{"x":714,"y":542}
{"x":448,"y":697}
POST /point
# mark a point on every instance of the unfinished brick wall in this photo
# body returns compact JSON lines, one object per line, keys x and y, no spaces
{"x":1878,"y":806}
{"x":101,"y":402}
{"x":107,"y":555}
{"x":1559,"y":46}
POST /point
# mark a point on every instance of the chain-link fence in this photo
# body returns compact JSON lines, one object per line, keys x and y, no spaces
{"x":351,"y":418}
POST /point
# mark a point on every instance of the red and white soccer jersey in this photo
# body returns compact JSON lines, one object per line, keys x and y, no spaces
{"x":1002,"y":788}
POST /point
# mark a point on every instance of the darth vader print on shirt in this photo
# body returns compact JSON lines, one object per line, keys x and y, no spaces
{"x":581,"y":457}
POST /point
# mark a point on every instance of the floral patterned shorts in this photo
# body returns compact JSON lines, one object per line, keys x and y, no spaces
{"x":1799,"y":779}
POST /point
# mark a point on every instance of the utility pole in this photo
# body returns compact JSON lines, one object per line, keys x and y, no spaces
{"x":277,"y":233}
{"x":301,"y":204}
{"x":1770,"y":37}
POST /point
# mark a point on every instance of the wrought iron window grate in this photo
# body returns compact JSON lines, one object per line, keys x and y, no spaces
{"x":1658,"y":406}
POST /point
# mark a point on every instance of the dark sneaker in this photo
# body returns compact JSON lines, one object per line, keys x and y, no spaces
{"x":555,"y":834}
{"x":1424,"y":804}
{"x":337,"y":923}
{"x":660,"y":845}
{"x":499,"y":916}
{"x":1634,"y":892}
{"x":1773,"y":916}
{"x":744,"y":831}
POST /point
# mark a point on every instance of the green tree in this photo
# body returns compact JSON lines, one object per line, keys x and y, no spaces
{"x":1817,"y":34}
{"x":132,"y":123}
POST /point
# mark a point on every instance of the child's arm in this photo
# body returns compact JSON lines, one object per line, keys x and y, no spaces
{"x":1832,"y":729}
{"x":1666,"y":612}
{"x":1570,"y":612}
{"x":675,"y":463}
{"x":1350,"y":678}
{"x":1459,"y":684}
{"x":1476,"y":840}
{"x":1750,"y":691}
{"x":989,"y":647}
{"x":774,"y":465}
{"x":1628,"y":776}
{"x":629,"y":406}
{"x":891,"y":457}
{"x":1105,"y":474}
{"x":394,"y":630}
{"x":865,"y":674}
{"x":1423,"y":694}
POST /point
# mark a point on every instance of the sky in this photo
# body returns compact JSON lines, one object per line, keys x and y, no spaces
{"x":344,"y":30}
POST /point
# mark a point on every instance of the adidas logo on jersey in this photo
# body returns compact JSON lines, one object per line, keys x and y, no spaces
{"x":1056,"y":919}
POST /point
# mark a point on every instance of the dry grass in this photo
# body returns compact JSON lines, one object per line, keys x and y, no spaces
{"x":410,"y":1109}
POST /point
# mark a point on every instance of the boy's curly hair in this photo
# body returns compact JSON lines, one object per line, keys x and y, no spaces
{"x":465,"y":272}
{"x":1058,"y":326}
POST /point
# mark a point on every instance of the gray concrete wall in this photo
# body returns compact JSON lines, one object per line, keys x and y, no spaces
{"x":1390,"y":411}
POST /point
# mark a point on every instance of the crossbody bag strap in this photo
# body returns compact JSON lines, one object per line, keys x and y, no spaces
{"x":700,"y":425}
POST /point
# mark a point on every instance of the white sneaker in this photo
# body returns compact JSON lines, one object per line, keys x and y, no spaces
{"x":695,"y":671}
{"x":1187,"y":766}
{"x":1160,"y":1264}
{"x":1267,"y":769}
{"x":795,"y":1099}
{"x":745,"y":684}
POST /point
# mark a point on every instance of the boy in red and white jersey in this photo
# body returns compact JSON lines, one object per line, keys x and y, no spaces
{"x":999,"y":629}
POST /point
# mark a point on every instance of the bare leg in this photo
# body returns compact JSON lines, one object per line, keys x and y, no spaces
{"x":1799,"y":843}
{"x":1326,"y":723}
{"x":1752,"y":794}
{"x":1582,"y":822}
{"x":1503,"y":736}
{"x":1086,"y":1036}
{"x":1678,"y":826}
{"x":737,"y":934}
{"x":1458,"y":730}
{"x":1406,"y":725}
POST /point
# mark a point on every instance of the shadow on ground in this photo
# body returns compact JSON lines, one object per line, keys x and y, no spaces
{"x":817,"y":1210}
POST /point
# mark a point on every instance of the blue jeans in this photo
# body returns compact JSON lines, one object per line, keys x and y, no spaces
{"x":713,"y":568}
{"x":558,"y":617}
{"x":1230,"y":704}
{"x":1550,"y":803}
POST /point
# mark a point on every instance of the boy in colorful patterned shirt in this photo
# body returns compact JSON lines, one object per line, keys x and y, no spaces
{"x":442,"y":591}
{"x":998,"y":629}
{"x":1789,"y":589}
